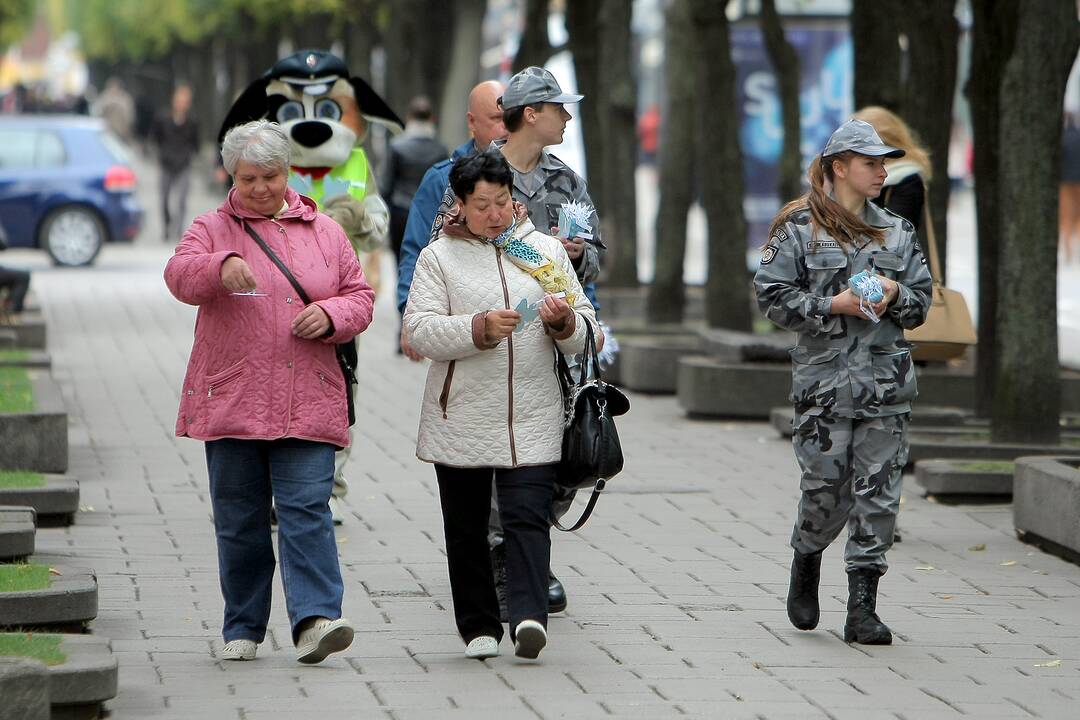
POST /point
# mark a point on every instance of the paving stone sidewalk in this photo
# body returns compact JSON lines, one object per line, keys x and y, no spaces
{"x":676,"y":586}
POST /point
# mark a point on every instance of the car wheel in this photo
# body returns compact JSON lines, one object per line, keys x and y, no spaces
{"x":72,"y":236}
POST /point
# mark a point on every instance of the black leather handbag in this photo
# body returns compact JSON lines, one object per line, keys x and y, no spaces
{"x":591,"y":452}
{"x":345,"y":352}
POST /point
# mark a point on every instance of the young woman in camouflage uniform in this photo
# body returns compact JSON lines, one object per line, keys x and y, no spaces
{"x":852,"y":378}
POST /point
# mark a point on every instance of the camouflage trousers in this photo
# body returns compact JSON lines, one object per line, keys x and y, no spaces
{"x":851,"y":471}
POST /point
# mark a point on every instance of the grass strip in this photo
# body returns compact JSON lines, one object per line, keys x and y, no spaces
{"x":988,"y":466}
{"x":24,"y":576}
{"x":16,"y":393}
{"x":14,"y":355}
{"x":43,"y":647}
{"x":21,"y":479}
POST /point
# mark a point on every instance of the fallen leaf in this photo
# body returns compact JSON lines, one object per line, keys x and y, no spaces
{"x":926,"y":567}
{"x":1052,"y":663}
{"x":947,"y":597}
{"x":1008,"y":563}
{"x":1039,"y":572}
{"x":54,"y":571}
{"x":977,"y":548}
{"x":756,"y":664}
{"x":341,"y":540}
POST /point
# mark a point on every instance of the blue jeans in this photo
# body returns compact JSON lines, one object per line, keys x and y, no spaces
{"x":299,"y":474}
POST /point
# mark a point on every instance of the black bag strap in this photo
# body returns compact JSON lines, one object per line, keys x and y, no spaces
{"x":276,"y":260}
{"x":590,"y":365}
{"x":597,"y":489}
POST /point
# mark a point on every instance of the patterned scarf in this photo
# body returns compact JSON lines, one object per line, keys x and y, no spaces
{"x":551,"y":276}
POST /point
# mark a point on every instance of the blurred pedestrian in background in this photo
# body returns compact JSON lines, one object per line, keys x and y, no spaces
{"x":1069,"y":195}
{"x":264,"y":390}
{"x":115,"y":106}
{"x":853,"y":379}
{"x":175,"y":138}
{"x":493,"y":407}
{"x":904,"y":192}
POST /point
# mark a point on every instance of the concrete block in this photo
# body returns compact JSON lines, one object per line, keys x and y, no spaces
{"x":622,"y":303}
{"x":648,"y":363}
{"x":24,"y":686}
{"x":36,"y":440}
{"x":627,"y":328}
{"x":965,"y":477}
{"x":735,"y":346}
{"x":17,"y":528}
{"x":54,"y":503}
{"x":29,"y":329}
{"x":7,"y":338}
{"x":1046,"y":503}
{"x":71,"y":599}
{"x":34,"y":359}
{"x":88,"y":678}
{"x":710,"y":387}
{"x":975,"y":446}
{"x":751,"y":389}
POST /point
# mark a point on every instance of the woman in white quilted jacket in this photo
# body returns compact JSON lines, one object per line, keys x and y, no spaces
{"x":490,"y":300}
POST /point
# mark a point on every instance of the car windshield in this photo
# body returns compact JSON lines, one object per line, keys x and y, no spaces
{"x":115,"y":148}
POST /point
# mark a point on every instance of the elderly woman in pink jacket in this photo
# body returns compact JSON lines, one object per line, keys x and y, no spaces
{"x":265,"y":392}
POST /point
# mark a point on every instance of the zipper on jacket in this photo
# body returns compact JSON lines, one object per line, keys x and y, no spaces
{"x":510,"y":373}
{"x":444,"y":396}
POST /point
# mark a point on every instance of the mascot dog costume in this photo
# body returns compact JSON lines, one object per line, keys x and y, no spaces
{"x":325,"y":113}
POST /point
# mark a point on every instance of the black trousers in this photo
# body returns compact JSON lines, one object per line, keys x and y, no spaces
{"x":524,"y":504}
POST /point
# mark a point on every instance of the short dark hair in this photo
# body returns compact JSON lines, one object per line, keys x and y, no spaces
{"x":420,"y":108}
{"x":489,"y":165}
{"x":513,"y":117}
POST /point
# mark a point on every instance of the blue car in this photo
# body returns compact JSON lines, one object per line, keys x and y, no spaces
{"x":66,"y":186}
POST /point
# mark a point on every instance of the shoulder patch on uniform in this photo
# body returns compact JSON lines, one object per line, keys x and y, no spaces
{"x":780,"y":236}
{"x":800,"y":216}
{"x":768,"y":254}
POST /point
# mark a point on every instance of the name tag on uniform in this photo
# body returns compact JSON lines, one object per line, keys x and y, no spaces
{"x":823,"y":245}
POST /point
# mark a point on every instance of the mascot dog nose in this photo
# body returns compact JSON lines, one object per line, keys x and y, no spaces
{"x":311,"y":133}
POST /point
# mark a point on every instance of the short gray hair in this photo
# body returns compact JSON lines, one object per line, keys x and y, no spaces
{"x":260,"y":142}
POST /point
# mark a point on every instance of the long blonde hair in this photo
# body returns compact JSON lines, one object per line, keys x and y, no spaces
{"x":895,"y":132}
{"x":828,"y":215}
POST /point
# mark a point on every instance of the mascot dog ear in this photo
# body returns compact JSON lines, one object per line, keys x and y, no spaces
{"x":373,"y":107}
{"x":251,"y":105}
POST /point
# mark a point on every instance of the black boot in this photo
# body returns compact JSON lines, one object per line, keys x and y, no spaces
{"x":556,"y":594}
{"x":863,"y":625}
{"x":802,"y":597}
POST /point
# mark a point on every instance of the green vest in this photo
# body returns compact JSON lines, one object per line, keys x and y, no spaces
{"x":350,"y":177}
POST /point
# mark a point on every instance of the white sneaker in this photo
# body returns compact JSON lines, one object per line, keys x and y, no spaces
{"x":336,"y":511}
{"x":324,"y":637}
{"x":482,"y":647}
{"x":239,"y":650}
{"x":530,"y":637}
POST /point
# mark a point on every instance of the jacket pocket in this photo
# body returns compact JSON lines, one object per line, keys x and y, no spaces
{"x":894,"y":376}
{"x":219,"y":381}
{"x":331,"y":378}
{"x":814,"y":377}
{"x":444,"y":396}
{"x":888,"y":264}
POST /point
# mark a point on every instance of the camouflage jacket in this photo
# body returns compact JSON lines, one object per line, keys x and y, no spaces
{"x":843,"y":365}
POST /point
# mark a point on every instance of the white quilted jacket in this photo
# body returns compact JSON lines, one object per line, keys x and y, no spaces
{"x":500,"y":407}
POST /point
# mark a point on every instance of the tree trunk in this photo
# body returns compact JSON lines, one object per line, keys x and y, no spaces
{"x":993,"y":37}
{"x":1027,"y":397}
{"x":876,"y":47}
{"x":463,"y":70}
{"x":932,"y":32}
{"x":727,"y":299}
{"x":677,"y":150}
{"x":785,"y":64}
{"x":535,"y":47}
{"x":583,"y":28}
{"x":618,"y":122}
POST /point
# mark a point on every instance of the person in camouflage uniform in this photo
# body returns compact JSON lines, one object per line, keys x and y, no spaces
{"x":853,"y":379}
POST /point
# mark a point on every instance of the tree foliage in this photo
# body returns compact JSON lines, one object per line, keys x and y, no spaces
{"x":15,"y":15}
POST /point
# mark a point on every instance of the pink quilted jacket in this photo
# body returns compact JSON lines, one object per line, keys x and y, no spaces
{"x":248,"y":375}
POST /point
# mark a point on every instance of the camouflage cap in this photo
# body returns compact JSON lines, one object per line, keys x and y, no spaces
{"x":534,"y":85}
{"x":861,"y":137}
